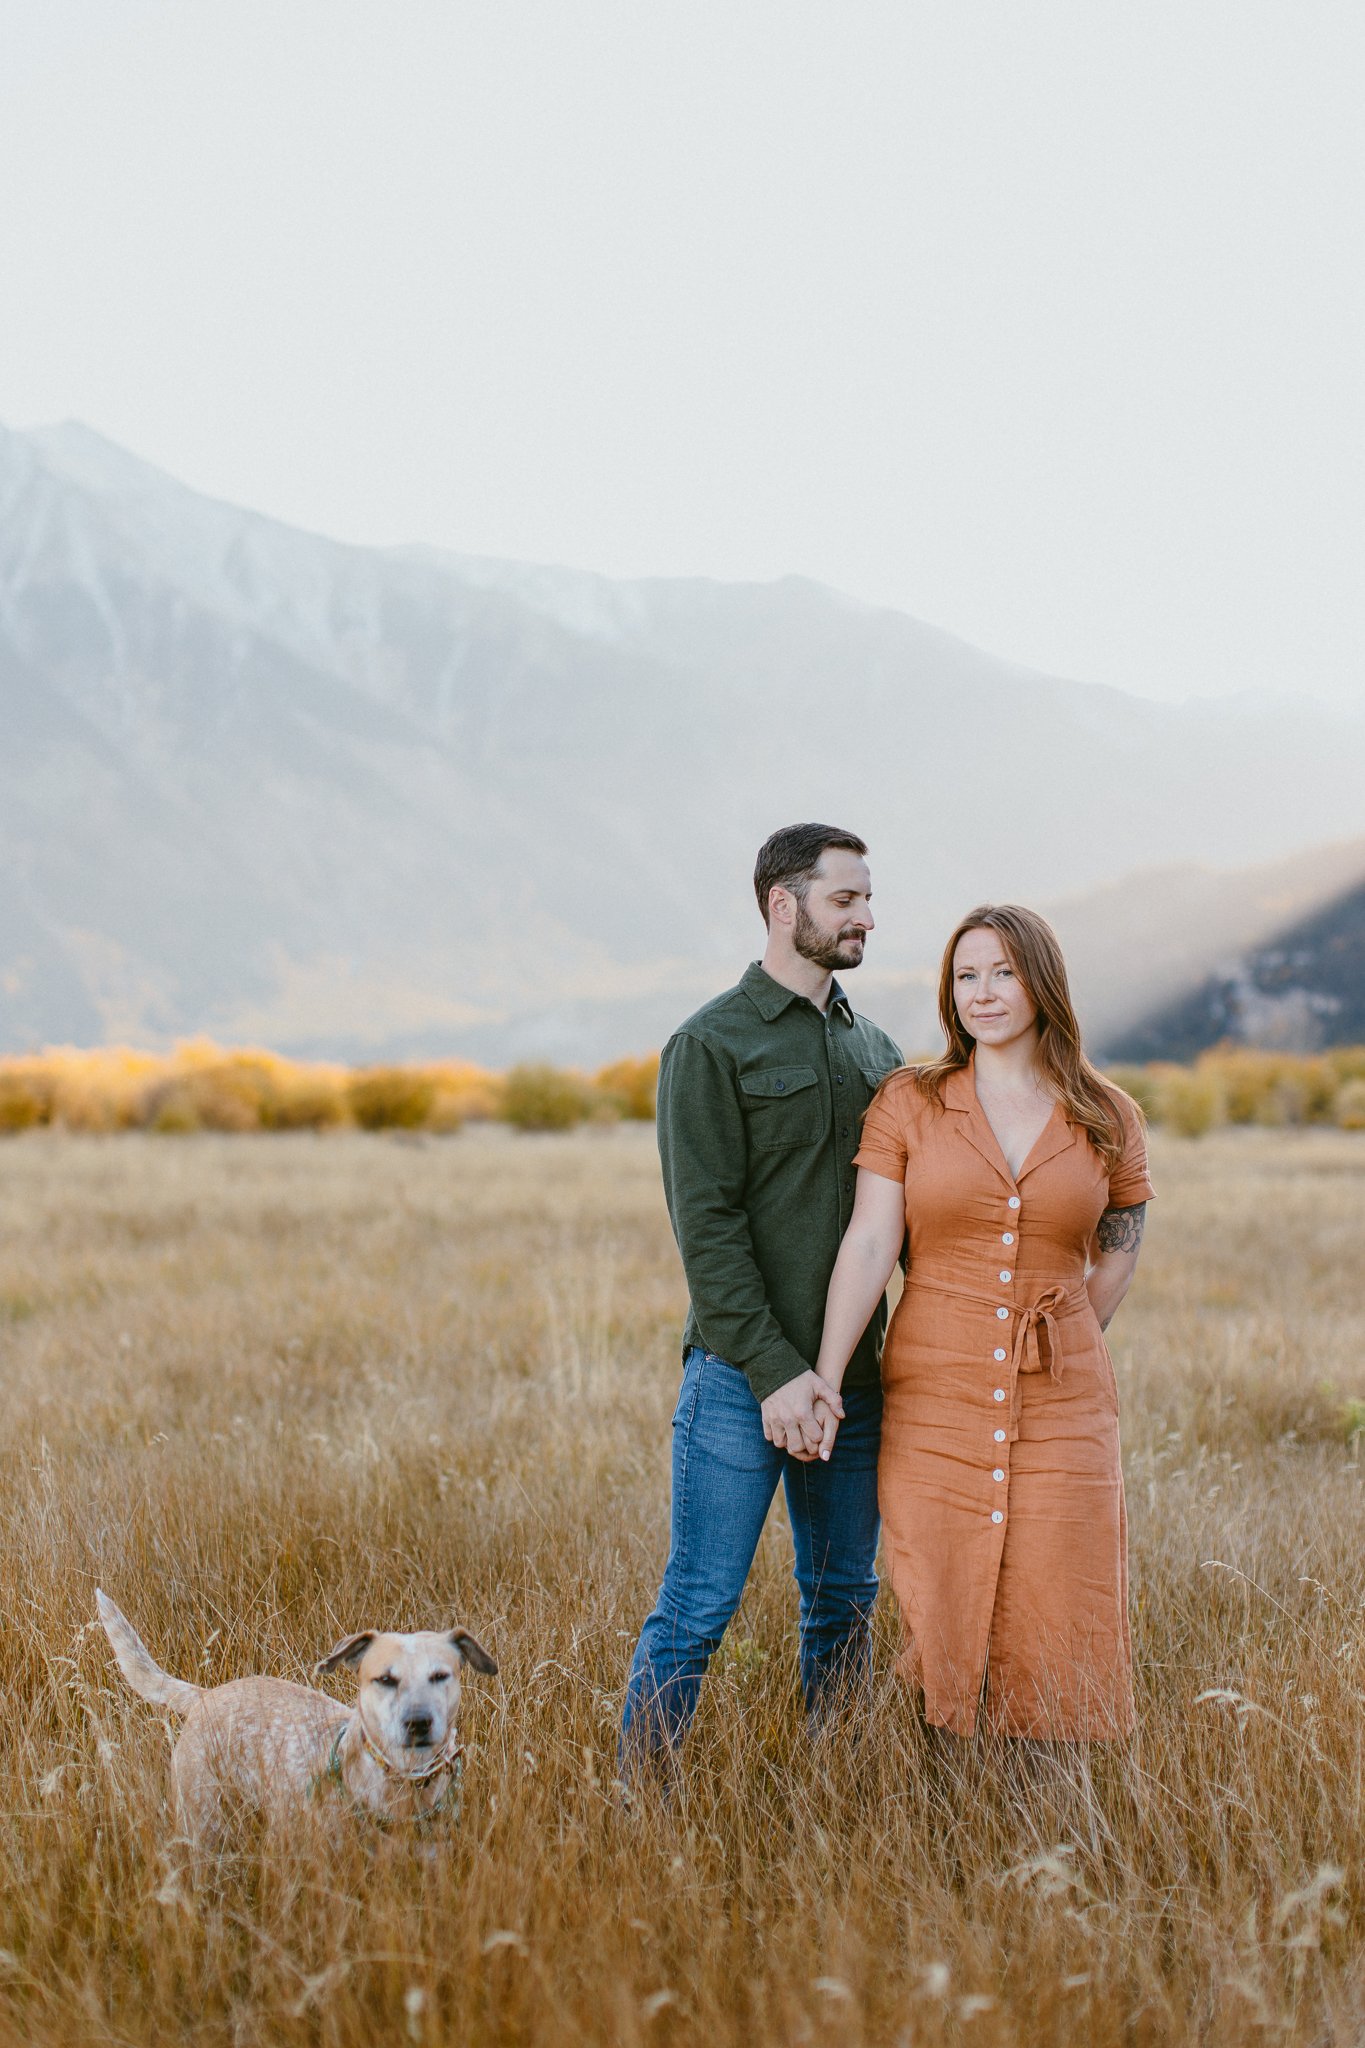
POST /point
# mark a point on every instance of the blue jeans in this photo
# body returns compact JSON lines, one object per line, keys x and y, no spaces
{"x":725,"y":1473}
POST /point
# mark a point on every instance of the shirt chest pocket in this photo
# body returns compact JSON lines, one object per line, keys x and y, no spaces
{"x":869,"y":1080}
{"x":782,"y":1106}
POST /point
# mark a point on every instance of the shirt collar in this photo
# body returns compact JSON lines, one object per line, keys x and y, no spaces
{"x":770,"y":999}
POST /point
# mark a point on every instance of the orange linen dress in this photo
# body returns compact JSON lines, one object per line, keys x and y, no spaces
{"x":999,"y":1480}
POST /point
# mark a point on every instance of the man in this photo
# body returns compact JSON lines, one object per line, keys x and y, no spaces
{"x":761,"y":1095}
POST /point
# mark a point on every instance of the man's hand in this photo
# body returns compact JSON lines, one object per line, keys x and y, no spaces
{"x":802,"y":1415}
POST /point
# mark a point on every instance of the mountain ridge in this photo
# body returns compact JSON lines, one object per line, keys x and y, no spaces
{"x":260,"y":782}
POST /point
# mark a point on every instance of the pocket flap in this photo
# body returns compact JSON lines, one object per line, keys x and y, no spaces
{"x":778,"y":1081}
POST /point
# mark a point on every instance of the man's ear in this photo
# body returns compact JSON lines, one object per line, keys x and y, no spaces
{"x":349,"y":1650}
{"x":472,"y":1650}
{"x":780,"y":906}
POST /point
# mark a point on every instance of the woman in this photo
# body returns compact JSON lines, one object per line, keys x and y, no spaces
{"x":1021,"y":1177}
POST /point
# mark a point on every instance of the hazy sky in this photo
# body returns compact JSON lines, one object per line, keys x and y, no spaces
{"x":1042,"y":319}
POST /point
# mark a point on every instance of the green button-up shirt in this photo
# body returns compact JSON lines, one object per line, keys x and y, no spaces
{"x":760,"y":1102}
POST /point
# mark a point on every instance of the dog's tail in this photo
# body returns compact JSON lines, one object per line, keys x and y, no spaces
{"x":136,"y":1663}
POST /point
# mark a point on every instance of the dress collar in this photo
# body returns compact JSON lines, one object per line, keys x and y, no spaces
{"x":959,"y":1094}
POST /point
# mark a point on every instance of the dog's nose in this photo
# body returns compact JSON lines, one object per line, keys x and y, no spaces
{"x":417,"y":1729}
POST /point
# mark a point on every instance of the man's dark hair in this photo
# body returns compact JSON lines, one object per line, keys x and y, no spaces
{"x":788,"y":859}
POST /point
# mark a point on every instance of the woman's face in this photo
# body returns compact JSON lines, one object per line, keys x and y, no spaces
{"x":993,"y":1003}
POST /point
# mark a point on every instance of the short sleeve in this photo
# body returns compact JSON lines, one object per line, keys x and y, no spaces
{"x":1129,"y":1181}
{"x":883,"y":1149}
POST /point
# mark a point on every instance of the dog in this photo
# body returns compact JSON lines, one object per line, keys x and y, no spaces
{"x":271,"y":1745}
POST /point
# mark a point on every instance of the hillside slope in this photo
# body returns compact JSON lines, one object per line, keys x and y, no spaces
{"x":1302,"y":989}
{"x":365,"y":801}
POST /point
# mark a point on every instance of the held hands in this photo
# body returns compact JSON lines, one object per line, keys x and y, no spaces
{"x":803,"y":1416}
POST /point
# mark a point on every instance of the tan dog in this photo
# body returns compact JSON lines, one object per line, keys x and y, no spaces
{"x":267,"y":1743}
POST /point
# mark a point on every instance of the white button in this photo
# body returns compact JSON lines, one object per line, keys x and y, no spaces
{"x":1000,"y":1353}
{"x":1014,"y":1201}
{"x":999,"y":1394}
{"x":1000,"y":1436}
{"x":1005,"y":1273}
{"x":997,"y":1516}
{"x":997,"y":1474}
{"x":1008,"y":1238}
{"x":1002,"y":1313}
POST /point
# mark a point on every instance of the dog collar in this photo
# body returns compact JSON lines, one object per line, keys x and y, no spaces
{"x":445,"y":1759}
{"x":450,"y":1760}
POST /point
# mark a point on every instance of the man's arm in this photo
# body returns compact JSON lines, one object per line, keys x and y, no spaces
{"x":703,"y":1148}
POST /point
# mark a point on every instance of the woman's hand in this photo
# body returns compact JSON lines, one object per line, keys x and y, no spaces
{"x":829,"y":1429}
{"x":796,"y":1415}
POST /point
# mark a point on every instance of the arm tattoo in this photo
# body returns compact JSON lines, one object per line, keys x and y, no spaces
{"x":1120,"y":1230}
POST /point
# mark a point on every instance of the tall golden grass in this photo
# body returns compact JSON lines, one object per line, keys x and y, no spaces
{"x":267,"y":1390}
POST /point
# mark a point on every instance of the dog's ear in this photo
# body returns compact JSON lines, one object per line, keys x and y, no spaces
{"x":472,"y":1650}
{"x":349,"y":1650}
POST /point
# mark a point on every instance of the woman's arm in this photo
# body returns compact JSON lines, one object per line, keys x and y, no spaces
{"x":870,"y":1249}
{"x":1118,"y":1240}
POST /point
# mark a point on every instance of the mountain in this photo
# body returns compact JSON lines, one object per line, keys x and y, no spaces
{"x":1141,"y":944}
{"x":1302,"y":989}
{"x":373,"y":802}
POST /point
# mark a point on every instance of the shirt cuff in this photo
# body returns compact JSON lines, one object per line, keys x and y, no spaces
{"x":773,"y":1368}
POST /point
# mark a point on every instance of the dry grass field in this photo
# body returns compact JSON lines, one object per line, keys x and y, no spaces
{"x":267,"y":1390}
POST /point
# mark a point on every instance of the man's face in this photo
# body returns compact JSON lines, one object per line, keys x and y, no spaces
{"x":832,"y":924}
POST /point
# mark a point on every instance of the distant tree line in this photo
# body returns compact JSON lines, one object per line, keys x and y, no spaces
{"x":1238,"y":1085}
{"x":204,"y":1087}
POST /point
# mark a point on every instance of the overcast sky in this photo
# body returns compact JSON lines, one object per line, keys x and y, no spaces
{"x":1041,"y":319}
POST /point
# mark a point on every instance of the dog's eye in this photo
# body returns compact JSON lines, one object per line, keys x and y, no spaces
{"x":439,"y":1677}
{"x":387,"y":1678}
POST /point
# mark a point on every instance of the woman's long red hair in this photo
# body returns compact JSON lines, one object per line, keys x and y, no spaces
{"x":1036,"y":958}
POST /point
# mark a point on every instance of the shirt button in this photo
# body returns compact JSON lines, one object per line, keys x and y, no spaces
{"x":1002,"y":1313}
{"x":999,"y":1394}
{"x":1008,"y":1238}
{"x":1014,"y":1201}
{"x":1005,"y":1273}
{"x":779,"y":1087}
{"x":1000,"y":1436}
{"x":997,"y":1516}
{"x":997,"y":1474}
{"x":998,"y":1354}
{"x":840,"y":1079}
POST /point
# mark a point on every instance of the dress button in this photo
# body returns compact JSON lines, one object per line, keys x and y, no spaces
{"x":1005,"y":1273}
{"x":999,"y":1394}
{"x":999,"y":1354}
{"x":1008,"y":1238}
{"x":1000,"y":1436}
{"x":997,"y":1474}
{"x":1014,"y":1201}
{"x":1002,"y":1313}
{"x":997,"y":1516}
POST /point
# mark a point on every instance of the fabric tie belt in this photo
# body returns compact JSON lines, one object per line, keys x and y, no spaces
{"x":1036,"y":1330}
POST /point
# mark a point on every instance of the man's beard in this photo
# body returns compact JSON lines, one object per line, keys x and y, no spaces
{"x":844,"y":949}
